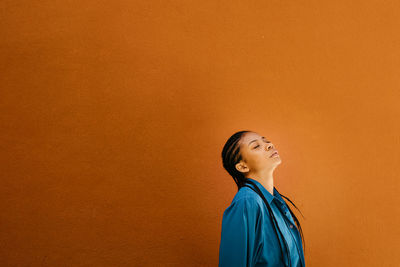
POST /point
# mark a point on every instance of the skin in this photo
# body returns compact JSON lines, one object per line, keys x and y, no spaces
{"x":256,"y":162}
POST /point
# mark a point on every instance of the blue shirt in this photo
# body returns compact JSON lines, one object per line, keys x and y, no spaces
{"x":248,"y":237}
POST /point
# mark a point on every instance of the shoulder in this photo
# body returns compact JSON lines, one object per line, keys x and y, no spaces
{"x":246,"y":200}
{"x":247,"y":195}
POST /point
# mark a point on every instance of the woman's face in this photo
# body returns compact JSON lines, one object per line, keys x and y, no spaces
{"x":258,"y":154}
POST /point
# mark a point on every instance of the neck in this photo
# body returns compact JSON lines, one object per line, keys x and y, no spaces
{"x":266,"y":179}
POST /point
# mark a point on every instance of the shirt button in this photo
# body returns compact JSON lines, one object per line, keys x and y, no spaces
{"x":291,"y":226}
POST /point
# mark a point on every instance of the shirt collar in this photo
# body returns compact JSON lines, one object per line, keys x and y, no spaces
{"x":268,"y":196}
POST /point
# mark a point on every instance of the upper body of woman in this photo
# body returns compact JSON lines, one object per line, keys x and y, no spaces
{"x":258,"y":227}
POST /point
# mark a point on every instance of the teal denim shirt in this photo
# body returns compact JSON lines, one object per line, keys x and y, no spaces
{"x":248,"y":237}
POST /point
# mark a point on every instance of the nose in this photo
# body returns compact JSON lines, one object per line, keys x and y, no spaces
{"x":269,"y":146}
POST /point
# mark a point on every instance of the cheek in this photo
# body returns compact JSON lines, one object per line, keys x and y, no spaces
{"x":261,"y":159}
{"x":258,"y":160}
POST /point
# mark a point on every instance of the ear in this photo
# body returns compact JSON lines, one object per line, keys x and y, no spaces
{"x":241,"y":166}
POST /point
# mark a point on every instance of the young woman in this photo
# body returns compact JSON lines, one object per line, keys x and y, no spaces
{"x":258,"y":227}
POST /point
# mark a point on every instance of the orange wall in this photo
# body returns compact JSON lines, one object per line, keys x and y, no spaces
{"x":114,"y":113}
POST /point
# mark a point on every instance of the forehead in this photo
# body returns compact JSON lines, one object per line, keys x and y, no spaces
{"x":246,"y":138}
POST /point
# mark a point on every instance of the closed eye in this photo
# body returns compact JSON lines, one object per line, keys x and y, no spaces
{"x":266,"y":141}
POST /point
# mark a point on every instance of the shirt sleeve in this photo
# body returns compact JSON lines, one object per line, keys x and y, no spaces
{"x":240,"y":234}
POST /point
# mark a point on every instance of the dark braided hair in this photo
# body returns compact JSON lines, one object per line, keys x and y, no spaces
{"x":231,"y":156}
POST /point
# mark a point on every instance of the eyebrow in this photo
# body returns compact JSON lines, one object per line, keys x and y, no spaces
{"x":261,"y":138}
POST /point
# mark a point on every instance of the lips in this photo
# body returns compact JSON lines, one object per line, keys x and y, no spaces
{"x":273,"y":154}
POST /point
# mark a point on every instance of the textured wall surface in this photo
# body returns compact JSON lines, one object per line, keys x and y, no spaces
{"x":113,"y":115}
